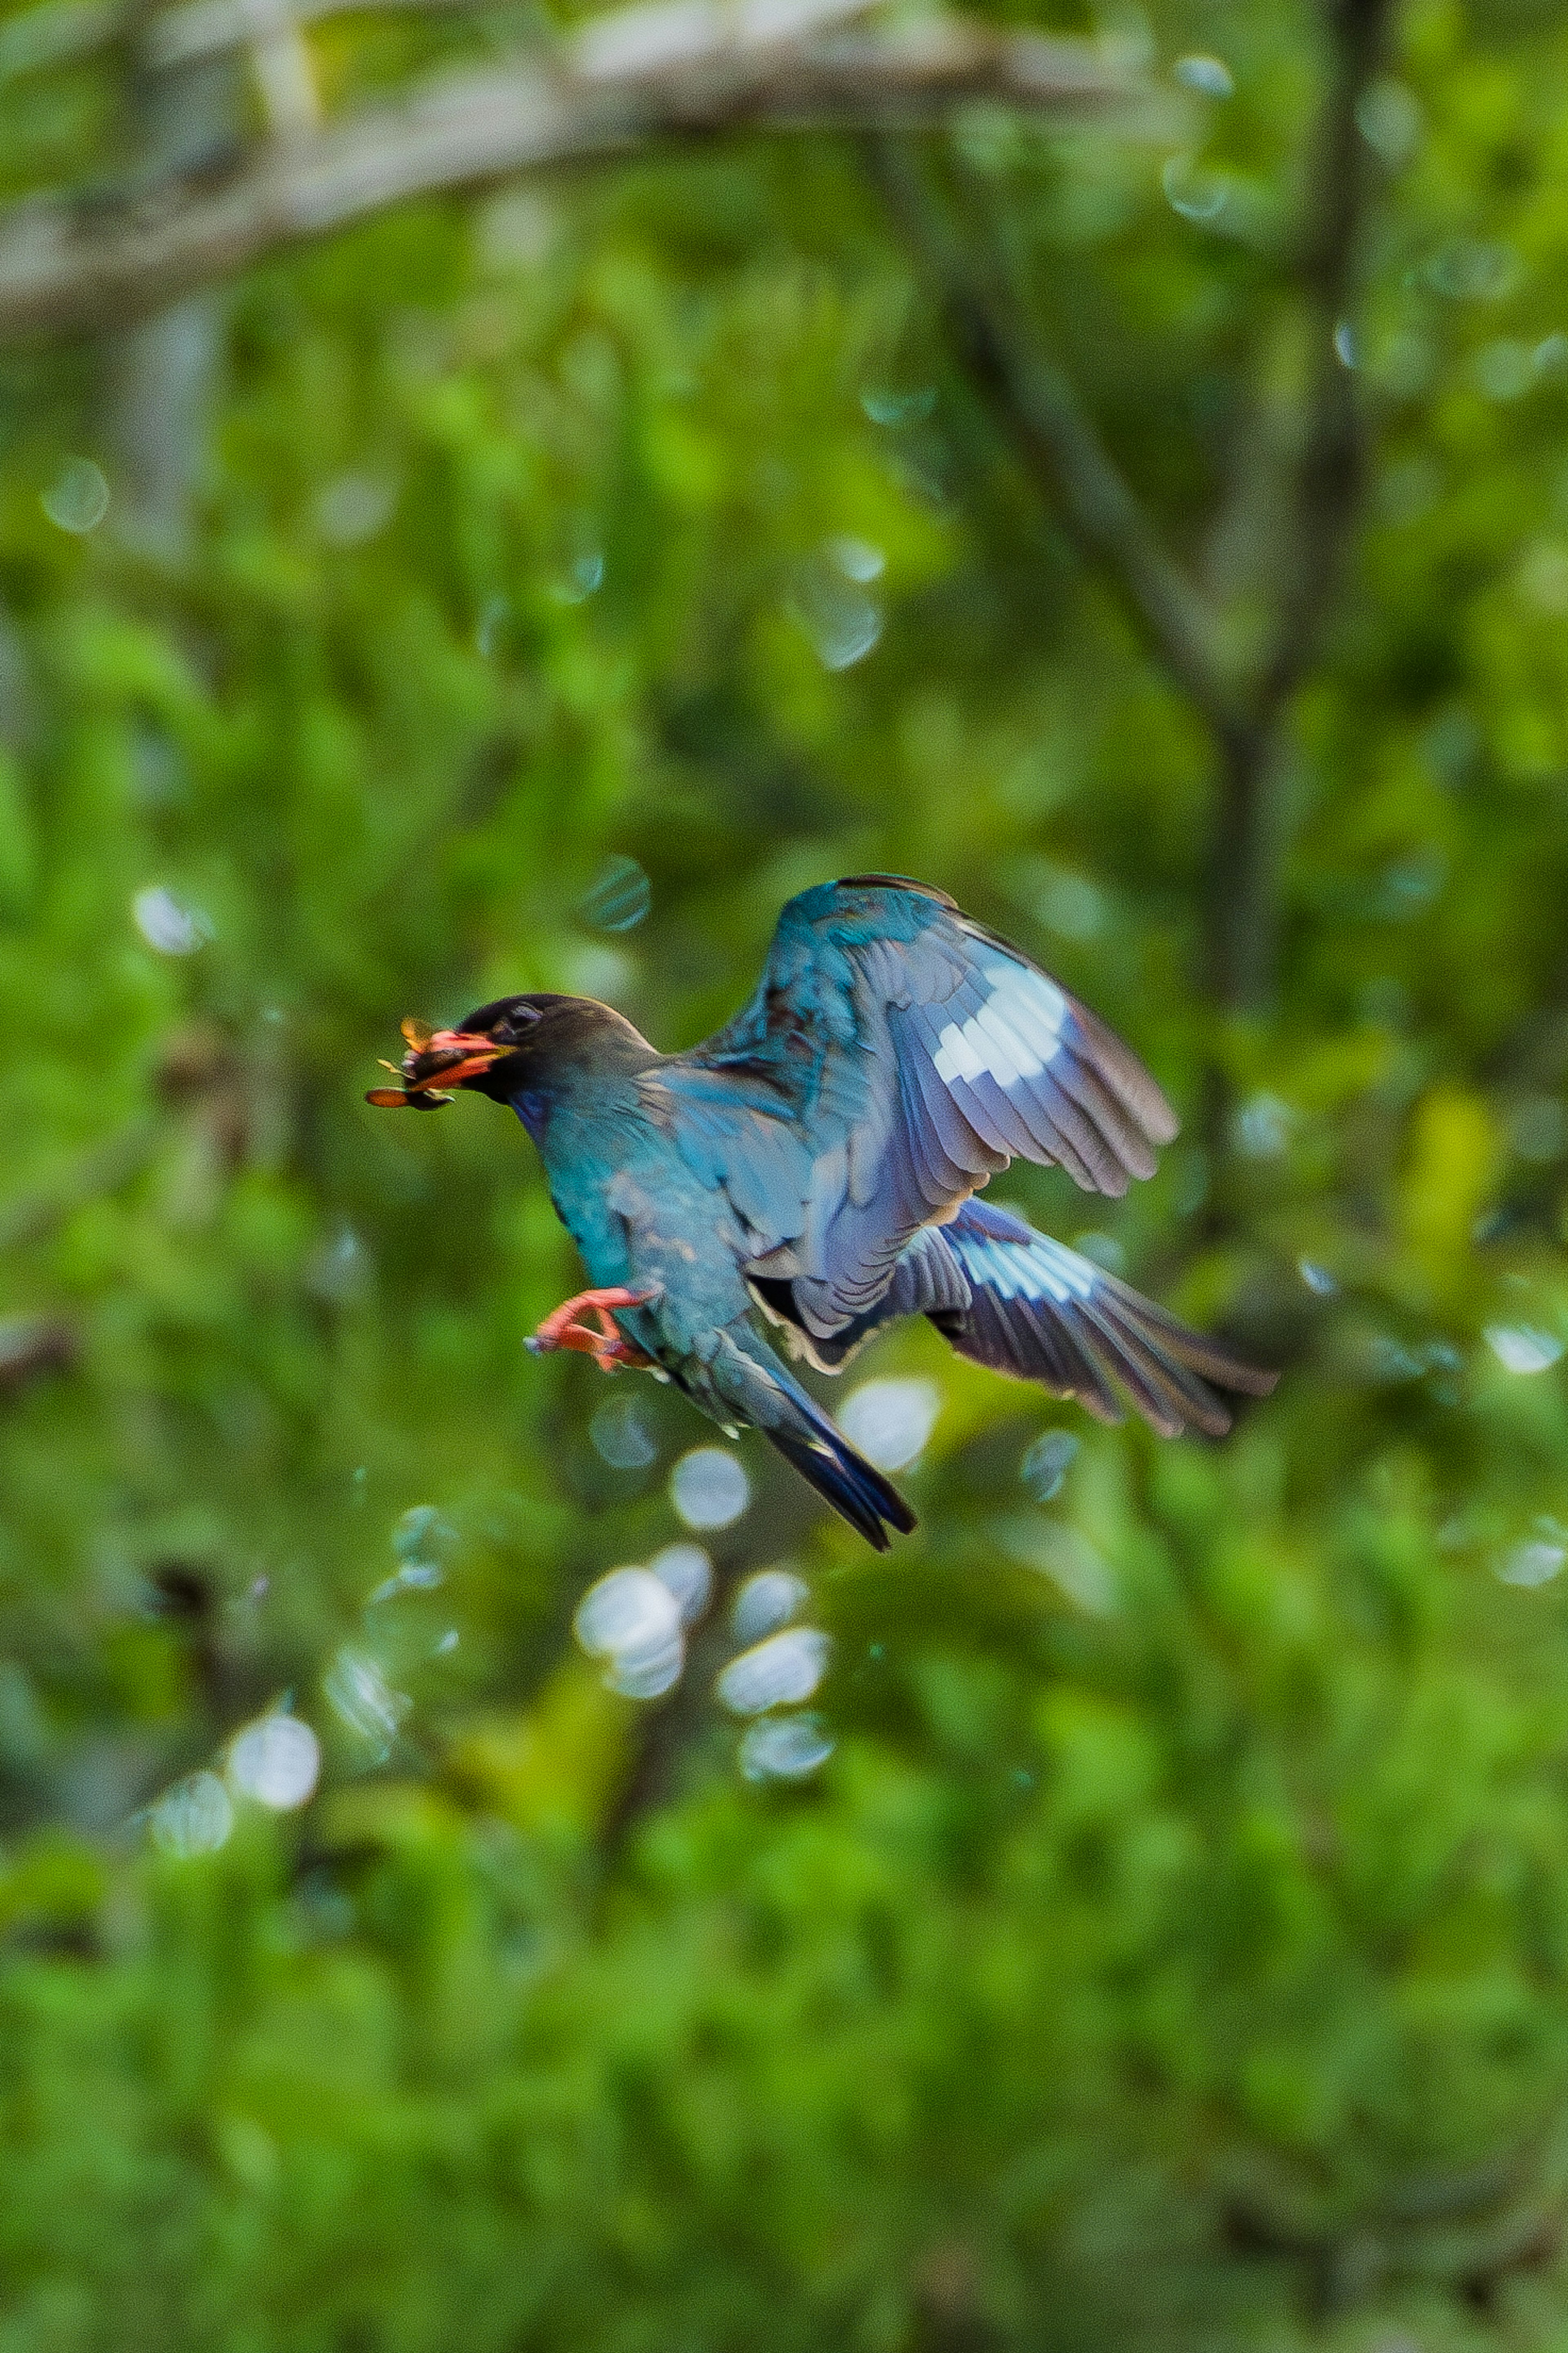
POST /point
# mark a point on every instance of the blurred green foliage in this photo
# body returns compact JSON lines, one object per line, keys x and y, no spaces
{"x":1174,"y":1950}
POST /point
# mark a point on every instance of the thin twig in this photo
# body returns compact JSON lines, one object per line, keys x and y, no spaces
{"x":1037,"y":410}
{"x":625,"y":84}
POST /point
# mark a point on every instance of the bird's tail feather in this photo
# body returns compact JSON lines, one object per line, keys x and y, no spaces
{"x":751,"y":1381}
{"x":1041,"y":1312}
{"x":847,"y":1480}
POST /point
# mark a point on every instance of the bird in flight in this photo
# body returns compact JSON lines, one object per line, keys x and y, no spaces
{"x":817,"y":1161}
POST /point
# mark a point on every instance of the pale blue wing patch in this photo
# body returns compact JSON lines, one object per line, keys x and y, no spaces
{"x":1040,"y":1312}
{"x":909,"y":1054}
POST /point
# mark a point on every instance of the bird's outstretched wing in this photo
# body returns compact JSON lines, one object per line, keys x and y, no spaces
{"x":1015,"y":1300}
{"x":895,"y":1056}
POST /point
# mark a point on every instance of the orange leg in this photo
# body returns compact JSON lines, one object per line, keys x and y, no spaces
{"x":607,"y":1346}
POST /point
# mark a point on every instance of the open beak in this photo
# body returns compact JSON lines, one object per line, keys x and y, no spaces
{"x":473,"y":1055}
{"x":435,"y":1060}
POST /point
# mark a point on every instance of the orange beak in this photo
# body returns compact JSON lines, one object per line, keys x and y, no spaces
{"x":474,"y":1054}
{"x":456,"y":1056}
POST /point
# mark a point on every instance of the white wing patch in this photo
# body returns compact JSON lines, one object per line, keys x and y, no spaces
{"x":1015,"y":1035}
{"x":1042,"y":1271}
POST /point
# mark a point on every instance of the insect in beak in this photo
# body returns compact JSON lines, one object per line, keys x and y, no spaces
{"x":451,"y":1056}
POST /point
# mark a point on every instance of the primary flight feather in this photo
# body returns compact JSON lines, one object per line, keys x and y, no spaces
{"x":816,"y":1159}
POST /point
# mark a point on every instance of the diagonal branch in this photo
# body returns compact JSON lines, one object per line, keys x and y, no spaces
{"x":1036,"y":409}
{"x":624,"y":83}
{"x":1314,"y":506}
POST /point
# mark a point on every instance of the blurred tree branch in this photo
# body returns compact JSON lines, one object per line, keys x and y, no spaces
{"x":1302,"y":508}
{"x":622,"y":83}
{"x":666,"y":1732}
{"x":1035,"y":404}
{"x":1469,"y":2230}
{"x":63,"y":32}
{"x":31,"y":1345}
{"x":159,"y":373}
{"x":1322,"y":485}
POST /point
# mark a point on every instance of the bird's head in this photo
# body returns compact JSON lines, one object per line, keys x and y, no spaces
{"x":501,"y":1050}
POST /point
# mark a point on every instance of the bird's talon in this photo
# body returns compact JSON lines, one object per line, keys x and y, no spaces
{"x":607,"y":1346}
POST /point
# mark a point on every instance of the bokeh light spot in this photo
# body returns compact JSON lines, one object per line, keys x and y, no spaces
{"x":766,"y":1602}
{"x":1046,"y":1463}
{"x":779,"y":1672}
{"x":276,"y":1760}
{"x":710,"y":1488}
{"x":689,"y":1573}
{"x":352,"y":507}
{"x":784,"y":1748}
{"x":647,"y":1674}
{"x":195,"y":1817}
{"x":1210,"y":77}
{"x":842,"y":622}
{"x":856,"y":558}
{"x":167,"y":925}
{"x":1521,"y":1348}
{"x":1388,"y":116}
{"x":1197,"y":196}
{"x":1535,"y":1563}
{"x":890,"y":1421}
{"x":362,"y":1697}
{"x":619,"y":896}
{"x":629,"y":1613}
{"x":621,"y":1435}
{"x":1262,"y":1127}
{"x":890,"y":404}
{"x":78,"y":499}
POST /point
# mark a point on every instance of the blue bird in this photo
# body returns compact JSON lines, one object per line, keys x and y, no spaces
{"x":815,"y":1161}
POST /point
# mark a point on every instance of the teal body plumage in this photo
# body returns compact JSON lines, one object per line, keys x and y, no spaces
{"x":815,"y":1162}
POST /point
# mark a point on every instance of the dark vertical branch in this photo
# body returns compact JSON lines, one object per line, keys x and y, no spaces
{"x":1242,"y":923}
{"x":1035,"y":406}
{"x":1328,"y":472}
{"x":1321,"y":495}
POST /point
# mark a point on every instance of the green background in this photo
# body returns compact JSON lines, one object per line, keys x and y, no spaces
{"x":1173,"y":1951}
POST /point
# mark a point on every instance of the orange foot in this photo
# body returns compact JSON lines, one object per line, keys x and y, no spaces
{"x":607,"y":1346}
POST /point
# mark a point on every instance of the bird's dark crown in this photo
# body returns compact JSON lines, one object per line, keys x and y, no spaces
{"x":544,"y":1036}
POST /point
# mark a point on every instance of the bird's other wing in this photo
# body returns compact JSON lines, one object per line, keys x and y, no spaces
{"x":927,"y":1279}
{"x":1040,"y":1312}
{"x":894,"y":1056}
